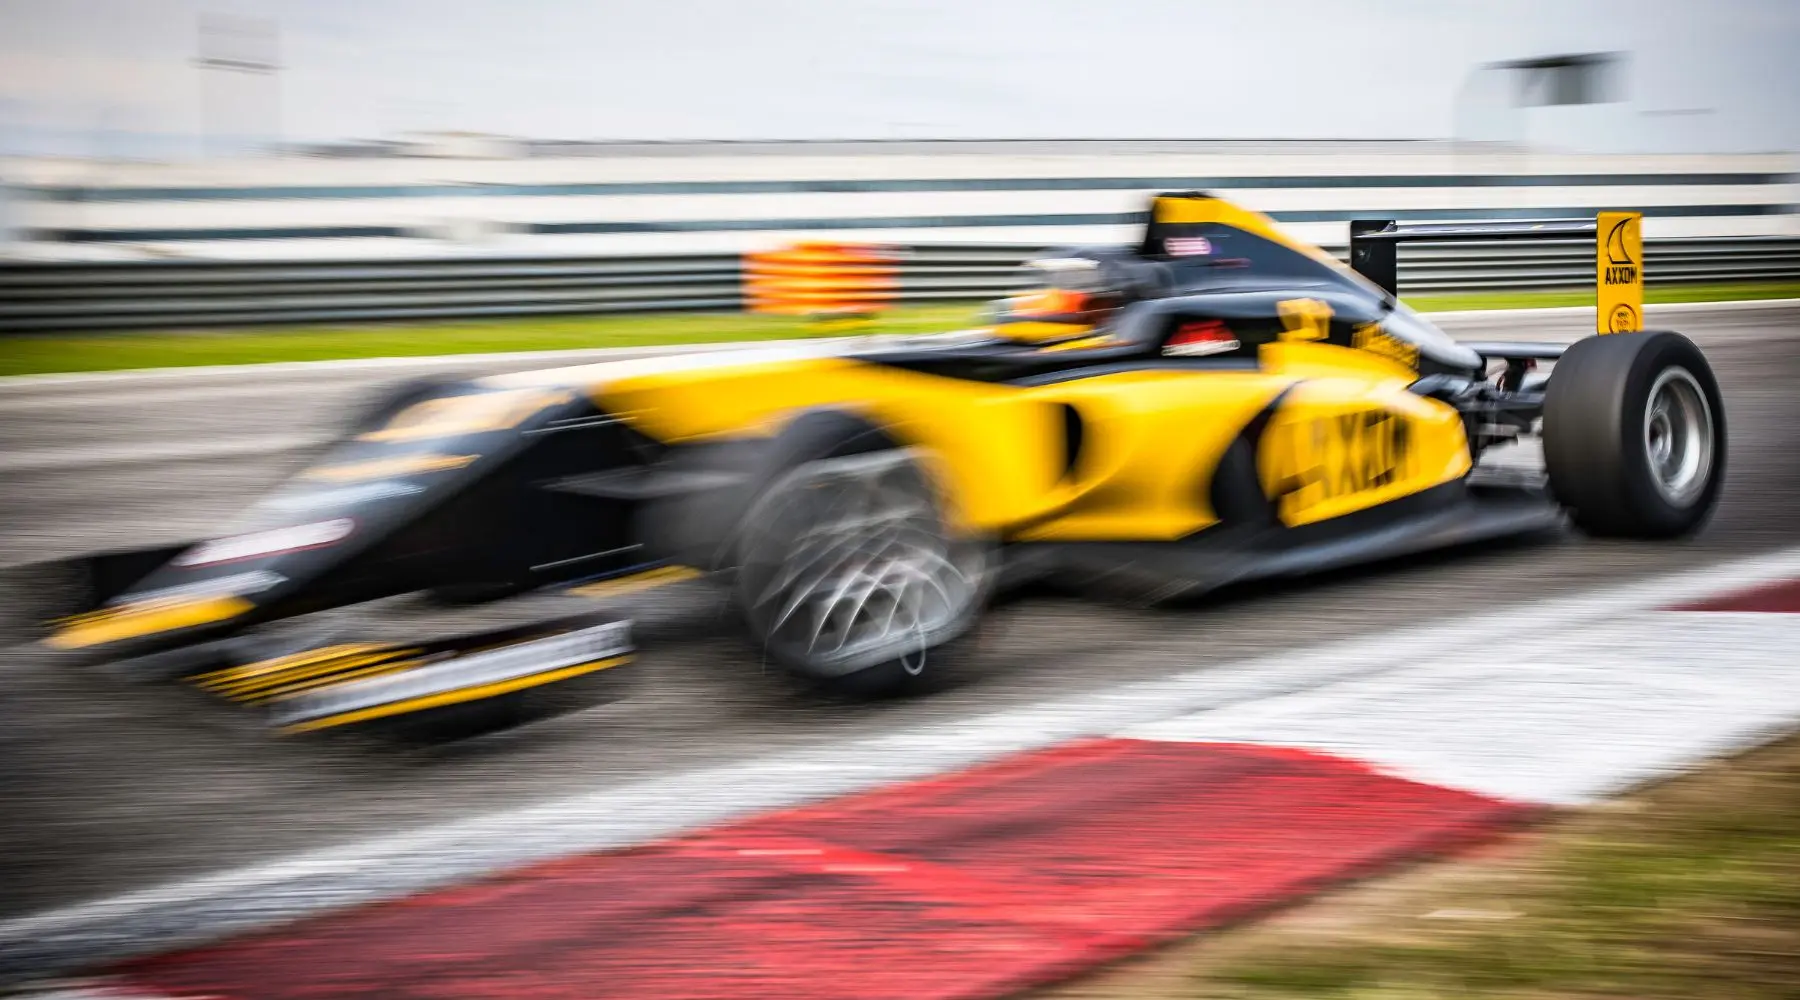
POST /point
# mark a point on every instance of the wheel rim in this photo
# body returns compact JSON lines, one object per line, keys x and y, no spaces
{"x":1678,"y":437}
{"x":869,"y":575}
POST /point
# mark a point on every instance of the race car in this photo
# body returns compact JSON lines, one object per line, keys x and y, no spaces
{"x":1216,"y":404}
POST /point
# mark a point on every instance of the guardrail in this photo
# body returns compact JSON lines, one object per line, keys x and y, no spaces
{"x":38,"y":297}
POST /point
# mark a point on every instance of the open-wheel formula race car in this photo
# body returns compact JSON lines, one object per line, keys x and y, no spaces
{"x":1217,"y":404}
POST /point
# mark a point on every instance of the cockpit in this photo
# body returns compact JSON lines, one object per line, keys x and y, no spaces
{"x":1066,"y":297}
{"x":1115,"y":298}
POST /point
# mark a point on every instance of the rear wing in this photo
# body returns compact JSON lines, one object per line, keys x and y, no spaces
{"x":1618,"y":255}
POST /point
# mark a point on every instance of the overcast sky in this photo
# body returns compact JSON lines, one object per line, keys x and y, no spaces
{"x":101,"y":75}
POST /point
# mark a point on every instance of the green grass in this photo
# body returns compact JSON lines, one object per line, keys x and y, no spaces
{"x":1585,"y":297}
{"x":28,"y":355}
{"x":117,"y":351}
{"x":1697,"y":893}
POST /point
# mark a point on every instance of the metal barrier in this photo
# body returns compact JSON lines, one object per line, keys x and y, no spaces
{"x":950,"y":274}
{"x":182,"y":294}
{"x":114,"y":296}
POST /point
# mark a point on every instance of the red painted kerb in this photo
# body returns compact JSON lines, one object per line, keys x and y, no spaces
{"x":975,"y":884}
{"x":1774,"y":598}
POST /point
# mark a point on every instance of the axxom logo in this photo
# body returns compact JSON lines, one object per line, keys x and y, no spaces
{"x":269,"y":542}
{"x":1623,"y":269}
{"x":1620,"y":279}
{"x":1201,"y":338}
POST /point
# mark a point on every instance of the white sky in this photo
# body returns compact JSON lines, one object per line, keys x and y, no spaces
{"x":114,"y":75}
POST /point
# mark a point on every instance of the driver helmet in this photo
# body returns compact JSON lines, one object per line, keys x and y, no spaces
{"x":1069,"y":297}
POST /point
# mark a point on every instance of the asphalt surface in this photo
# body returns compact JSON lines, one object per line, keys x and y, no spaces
{"x":105,"y":787}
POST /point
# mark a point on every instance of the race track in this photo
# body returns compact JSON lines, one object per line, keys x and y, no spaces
{"x":105,"y":788}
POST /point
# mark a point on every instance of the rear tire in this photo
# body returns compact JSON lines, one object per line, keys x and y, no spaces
{"x":1634,"y":435}
{"x":849,"y":577}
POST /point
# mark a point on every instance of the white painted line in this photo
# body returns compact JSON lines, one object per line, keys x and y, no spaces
{"x":95,"y":990}
{"x":144,"y":398}
{"x":619,"y":816}
{"x":42,"y":460}
{"x":54,"y":380}
{"x":1562,"y":722}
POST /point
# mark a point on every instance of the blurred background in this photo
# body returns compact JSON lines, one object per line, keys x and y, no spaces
{"x":221,"y":182}
{"x":90,"y":86}
{"x":185,"y":79}
{"x":263,"y":131}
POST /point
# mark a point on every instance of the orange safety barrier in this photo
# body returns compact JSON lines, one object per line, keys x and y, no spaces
{"x":822,"y":280}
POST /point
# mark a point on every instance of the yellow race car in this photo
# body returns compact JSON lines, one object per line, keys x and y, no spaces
{"x":1216,"y":404}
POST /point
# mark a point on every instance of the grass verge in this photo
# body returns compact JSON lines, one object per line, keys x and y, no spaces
{"x":1653,"y":294}
{"x":1691,"y":889}
{"x":37,"y":354}
{"x":40,"y":354}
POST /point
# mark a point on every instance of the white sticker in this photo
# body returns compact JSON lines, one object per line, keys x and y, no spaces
{"x":1200,"y":348}
{"x":274,"y":541}
{"x":1188,"y":246}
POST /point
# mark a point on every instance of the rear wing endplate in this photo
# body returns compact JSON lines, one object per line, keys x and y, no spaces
{"x":1618,"y":254}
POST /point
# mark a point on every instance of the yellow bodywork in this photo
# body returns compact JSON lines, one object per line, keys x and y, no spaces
{"x":129,"y":621}
{"x":1152,"y":435}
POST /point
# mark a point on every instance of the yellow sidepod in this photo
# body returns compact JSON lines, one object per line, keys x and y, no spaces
{"x":1150,"y":444}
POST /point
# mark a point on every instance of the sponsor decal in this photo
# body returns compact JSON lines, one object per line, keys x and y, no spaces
{"x":130,"y":621}
{"x":341,"y":497}
{"x":1623,"y":318}
{"x":1372,"y":338}
{"x":273,"y":541}
{"x":1188,"y":246}
{"x":1200,"y":338}
{"x":1304,"y":319}
{"x":235,"y":585}
{"x":389,"y":468}
{"x":475,"y":670}
{"x":1320,"y":459}
{"x":1619,"y":259}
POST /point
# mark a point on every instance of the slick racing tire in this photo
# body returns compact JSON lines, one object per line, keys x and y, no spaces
{"x":848,"y":575}
{"x":1634,"y":435}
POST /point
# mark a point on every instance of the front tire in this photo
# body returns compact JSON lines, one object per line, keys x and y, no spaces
{"x":1634,"y":435}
